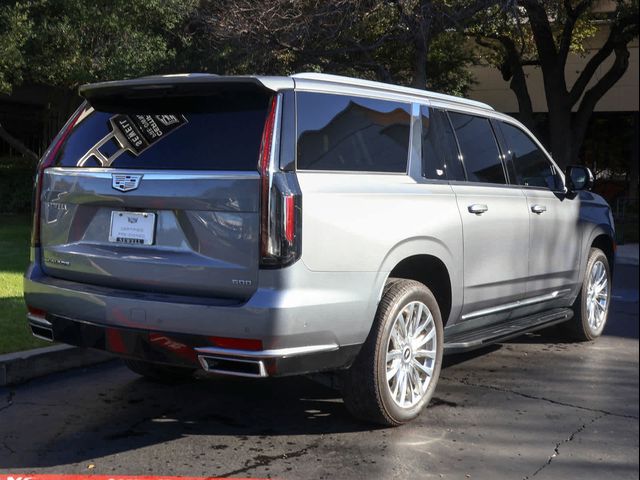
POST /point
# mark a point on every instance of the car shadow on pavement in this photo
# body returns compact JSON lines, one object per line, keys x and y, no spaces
{"x":128,"y":412}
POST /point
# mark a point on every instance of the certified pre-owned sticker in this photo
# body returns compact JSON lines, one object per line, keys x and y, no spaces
{"x":133,"y":133}
{"x":142,"y":131}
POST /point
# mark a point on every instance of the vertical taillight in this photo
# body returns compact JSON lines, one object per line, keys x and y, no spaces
{"x":266,"y":154}
{"x":280,"y":200}
{"x":45,"y":162}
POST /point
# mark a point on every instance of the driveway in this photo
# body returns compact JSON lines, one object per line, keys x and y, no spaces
{"x":531,"y":408}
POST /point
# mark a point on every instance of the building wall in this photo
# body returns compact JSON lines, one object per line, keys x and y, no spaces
{"x":623,"y":97}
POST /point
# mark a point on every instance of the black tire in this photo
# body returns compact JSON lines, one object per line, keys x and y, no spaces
{"x":579,"y":327}
{"x":367,"y":395}
{"x":160,"y":373}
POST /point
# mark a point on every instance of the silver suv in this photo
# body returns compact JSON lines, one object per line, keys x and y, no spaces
{"x":266,"y":226}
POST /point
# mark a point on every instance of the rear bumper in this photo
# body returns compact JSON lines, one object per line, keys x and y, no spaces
{"x":195,"y":351}
{"x":302,"y":330}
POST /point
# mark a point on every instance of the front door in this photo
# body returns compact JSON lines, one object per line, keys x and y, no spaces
{"x":554,"y":252}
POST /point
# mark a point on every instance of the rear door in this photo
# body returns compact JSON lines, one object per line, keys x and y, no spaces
{"x":159,"y":193}
{"x":495,"y":223}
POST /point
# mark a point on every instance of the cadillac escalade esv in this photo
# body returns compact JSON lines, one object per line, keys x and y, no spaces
{"x":264,"y":226}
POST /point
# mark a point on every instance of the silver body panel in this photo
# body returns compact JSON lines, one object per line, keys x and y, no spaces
{"x":505,"y":262}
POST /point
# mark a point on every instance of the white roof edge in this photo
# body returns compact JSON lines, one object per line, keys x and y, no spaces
{"x":341,"y":80}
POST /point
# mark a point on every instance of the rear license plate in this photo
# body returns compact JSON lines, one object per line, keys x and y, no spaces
{"x":135,"y":228}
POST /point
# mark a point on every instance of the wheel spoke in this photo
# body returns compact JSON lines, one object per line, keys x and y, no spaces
{"x":417,"y":384}
{"x":403,"y":387}
{"x":417,"y":321}
{"x":393,"y":355}
{"x":421,"y":367}
{"x":393,"y":371}
{"x":601,"y":286}
{"x":420,"y":341}
{"x":425,"y":353}
{"x":423,"y":326}
{"x":410,"y":320}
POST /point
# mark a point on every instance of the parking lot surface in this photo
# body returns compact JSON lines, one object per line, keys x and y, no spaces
{"x":535,"y":407}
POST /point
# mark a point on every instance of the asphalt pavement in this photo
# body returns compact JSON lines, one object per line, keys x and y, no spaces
{"x":536,"y":407}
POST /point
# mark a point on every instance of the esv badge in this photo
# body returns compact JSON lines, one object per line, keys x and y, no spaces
{"x":125,"y":182}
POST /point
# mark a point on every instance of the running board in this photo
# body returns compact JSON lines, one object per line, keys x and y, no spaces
{"x":464,"y":341}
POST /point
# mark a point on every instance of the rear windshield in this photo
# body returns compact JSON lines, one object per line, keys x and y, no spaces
{"x":228,"y":139}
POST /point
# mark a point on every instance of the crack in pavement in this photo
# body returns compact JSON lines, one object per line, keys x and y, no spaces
{"x":6,"y":445}
{"x":10,"y":396}
{"x":556,"y":450}
{"x":534,"y":397}
{"x":267,"y":460}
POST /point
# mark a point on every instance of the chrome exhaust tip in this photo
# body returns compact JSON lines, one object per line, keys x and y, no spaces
{"x":233,"y":366}
{"x":42,"y":332}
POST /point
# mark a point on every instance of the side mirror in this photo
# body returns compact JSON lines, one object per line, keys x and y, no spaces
{"x":579,"y":178}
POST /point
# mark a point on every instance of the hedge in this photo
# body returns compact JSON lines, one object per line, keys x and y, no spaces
{"x":16,"y":184}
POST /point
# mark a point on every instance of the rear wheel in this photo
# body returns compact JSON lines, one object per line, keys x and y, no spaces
{"x":160,"y":373}
{"x":591,"y":308}
{"x":395,"y":373}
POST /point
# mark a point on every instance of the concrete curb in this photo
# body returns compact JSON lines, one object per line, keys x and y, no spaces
{"x":20,"y":367}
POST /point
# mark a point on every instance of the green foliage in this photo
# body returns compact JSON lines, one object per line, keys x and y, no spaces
{"x":16,"y":184}
{"x":14,"y":258}
{"x":15,"y":27}
{"x":387,"y":40}
{"x":64,"y":43}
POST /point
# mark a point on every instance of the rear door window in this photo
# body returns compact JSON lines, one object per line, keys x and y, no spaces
{"x":344,"y":133}
{"x":532,"y":167}
{"x":224,"y":139}
{"x":439,"y":150}
{"x":478,"y":148}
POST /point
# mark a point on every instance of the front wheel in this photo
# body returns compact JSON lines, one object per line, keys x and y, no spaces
{"x":395,"y":373}
{"x":591,"y":308}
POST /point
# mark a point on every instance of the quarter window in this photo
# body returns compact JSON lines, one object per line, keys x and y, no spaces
{"x":478,"y":148}
{"x":344,"y":133}
{"x":439,"y":151}
{"x":532,"y":167}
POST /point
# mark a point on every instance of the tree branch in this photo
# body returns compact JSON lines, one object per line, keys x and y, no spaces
{"x":17,"y":144}
{"x":616,"y":39}
{"x":513,"y":72}
{"x":595,"y":93}
{"x":542,"y":33}
{"x":573,"y":14}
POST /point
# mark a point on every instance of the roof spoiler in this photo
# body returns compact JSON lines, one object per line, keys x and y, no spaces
{"x":176,"y":93}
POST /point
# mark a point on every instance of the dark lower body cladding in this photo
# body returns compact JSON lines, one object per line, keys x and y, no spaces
{"x":194,"y":351}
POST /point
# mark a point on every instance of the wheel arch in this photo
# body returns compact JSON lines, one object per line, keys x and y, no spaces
{"x":602,"y":237}
{"x":431,"y":262}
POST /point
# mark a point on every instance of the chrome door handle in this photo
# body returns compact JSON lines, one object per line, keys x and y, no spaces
{"x":478,"y":208}
{"x":538,"y":209}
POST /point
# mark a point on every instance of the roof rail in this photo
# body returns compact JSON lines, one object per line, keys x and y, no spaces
{"x":341,"y":80}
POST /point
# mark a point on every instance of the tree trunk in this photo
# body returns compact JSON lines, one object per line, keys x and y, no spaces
{"x":17,"y":144}
{"x":560,"y":136}
{"x":633,"y":171}
{"x":419,"y":79}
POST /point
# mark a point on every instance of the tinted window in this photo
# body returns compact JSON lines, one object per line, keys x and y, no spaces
{"x":439,"y":150}
{"x":478,"y":148}
{"x":224,"y":140}
{"x":337,"y":132}
{"x":532,"y":167}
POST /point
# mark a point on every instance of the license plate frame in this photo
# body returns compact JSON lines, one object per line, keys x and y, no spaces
{"x":132,"y":228}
